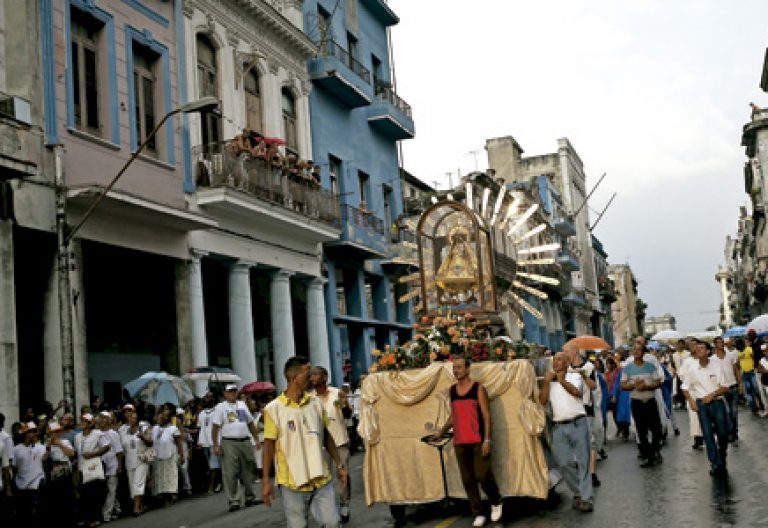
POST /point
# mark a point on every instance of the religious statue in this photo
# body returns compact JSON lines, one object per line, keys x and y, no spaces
{"x":458,"y":273}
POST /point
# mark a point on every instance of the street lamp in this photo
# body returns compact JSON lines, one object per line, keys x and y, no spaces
{"x":65,"y":235}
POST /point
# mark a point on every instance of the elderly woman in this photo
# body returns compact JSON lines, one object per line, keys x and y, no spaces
{"x":136,"y":438}
{"x":90,"y":445}
{"x":167,"y":442}
{"x":60,"y":490}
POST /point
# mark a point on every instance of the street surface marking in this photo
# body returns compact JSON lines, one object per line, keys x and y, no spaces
{"x":447,"y":522}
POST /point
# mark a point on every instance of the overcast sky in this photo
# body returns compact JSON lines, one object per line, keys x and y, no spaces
{"x":652,"y":92}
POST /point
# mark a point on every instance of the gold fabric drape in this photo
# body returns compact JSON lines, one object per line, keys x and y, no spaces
{"x":398,"y":408}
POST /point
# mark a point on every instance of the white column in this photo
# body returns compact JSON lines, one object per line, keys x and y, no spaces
{"x":197,"y":317}
{"x":241,"y":340}
{"x":319,"y":351}
{"x":9,"y":362}
{"x":304,"y":132}
{"x":282,"y":323}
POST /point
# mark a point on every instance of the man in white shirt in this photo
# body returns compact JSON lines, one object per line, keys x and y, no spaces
{"x":693,"y":416}
{"x":28,"y":458}
{"x":233,"y":423}
{"x":594,"y":417}
{"x":563,"y":390}
{"x":704,"y":387}
{"x":678,"y":358}
{"x":334,"y":402}
{"x":729,"y":362}
{"x":204,"y":440}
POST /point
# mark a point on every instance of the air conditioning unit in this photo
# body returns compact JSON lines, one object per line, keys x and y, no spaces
{"x":15,"y":108}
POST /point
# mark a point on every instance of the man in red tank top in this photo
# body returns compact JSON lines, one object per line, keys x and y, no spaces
{"x":471,"y":422}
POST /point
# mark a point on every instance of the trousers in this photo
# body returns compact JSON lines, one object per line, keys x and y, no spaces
{"x":476,"y":469}
{"x":646,"y":416}
{"x":237,"y":465}
{"x":570,"y":443}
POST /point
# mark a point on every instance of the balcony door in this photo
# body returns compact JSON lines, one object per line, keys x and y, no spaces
{"x":253,"y":107}
{"x":208,"y":85}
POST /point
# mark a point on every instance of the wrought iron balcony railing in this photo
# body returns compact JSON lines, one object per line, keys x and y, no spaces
{"x":386,"y":93}
{"x":331,"y":48}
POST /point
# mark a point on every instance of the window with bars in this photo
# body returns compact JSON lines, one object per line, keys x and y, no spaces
{"x":144,"y":91}
{"x":85,"y":32}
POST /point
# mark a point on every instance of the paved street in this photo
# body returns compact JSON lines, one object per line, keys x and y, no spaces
{"x":680,"y":493}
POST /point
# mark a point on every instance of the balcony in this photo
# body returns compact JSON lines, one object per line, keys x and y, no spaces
{"x":607,"y":291}
{"x":381,"y":11}
{"x":341,"y":74}
{"x":247,"y":188}
{"x":363,"y":236}
{"x":568,"y":262}
{"x":564,"y":226}
{"x":390,"y":115}
{"x":402,"y":258}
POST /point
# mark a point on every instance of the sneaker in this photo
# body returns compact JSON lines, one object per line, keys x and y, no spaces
{"x":595,"y":480}
{"x":496,"y":513}
{"x":251,"y":502}
{"x":762,"y":414}
{"x":234,"y":507}
{"x":217,"y":489}
{"x":650,"y":461}
{"x":586,"y":506}
{"x":603,"y":455}
{"x":344,"y":513}
{"x":576,"y":502}
{"x":479,"y":521}
{"x":677,"y":432}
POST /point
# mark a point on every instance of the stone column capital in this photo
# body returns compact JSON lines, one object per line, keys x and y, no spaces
{"x":242,"y":266}
{"x":282,"y":275}
{"x":316,"y":282}
{"x":197,"y":254}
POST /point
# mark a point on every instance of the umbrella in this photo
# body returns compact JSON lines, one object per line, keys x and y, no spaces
{"x":211,"y":374}
{"x":589,"y":343}
{"x":258,"y":386}
{"x":655,"y":345}
{"x":668,"y":336}
{"x":736,"y":331}
{"x":158,"y":388}
{"x":759,"y":324}
{"x":274,"y":140}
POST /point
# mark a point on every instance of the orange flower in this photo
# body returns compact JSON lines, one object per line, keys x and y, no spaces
{"x":418,"y":337}
{"x":376,"y":352}
{"x":416,"y":326}
{"x":498,"y":351}
{"x":432,"y":356}
{"x":425,"y":319}
{"x":391,"y":359}
{"x":373,"y":368}
{"x":455,"y":339}
{"x":438,"y":321}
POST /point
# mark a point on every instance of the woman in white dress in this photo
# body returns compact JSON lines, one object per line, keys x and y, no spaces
{"x":60,"y":491}
{"x":167,"y":442}
{"x":136,"y":438}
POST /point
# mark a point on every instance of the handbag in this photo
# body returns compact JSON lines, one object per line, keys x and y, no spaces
{"x":148,"y":455}
{"x":92,"y":468}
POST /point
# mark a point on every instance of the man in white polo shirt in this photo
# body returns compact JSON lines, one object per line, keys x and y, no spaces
{"x":704,"y":387}
{"x":570,"y":437}
{"x":233,"y":423}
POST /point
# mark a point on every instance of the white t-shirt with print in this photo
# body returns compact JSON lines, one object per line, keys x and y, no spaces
{"x":28,"y":461}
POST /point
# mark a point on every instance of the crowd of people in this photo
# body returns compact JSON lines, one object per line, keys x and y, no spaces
{"x":124,"y":459}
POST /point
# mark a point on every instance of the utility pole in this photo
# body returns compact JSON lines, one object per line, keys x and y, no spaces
{"x":64,"y":287}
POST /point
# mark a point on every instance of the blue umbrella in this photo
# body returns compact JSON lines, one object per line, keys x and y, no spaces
{"x":736,"y":331}
{"x":158,"y":388}
{"x":655,"y":345}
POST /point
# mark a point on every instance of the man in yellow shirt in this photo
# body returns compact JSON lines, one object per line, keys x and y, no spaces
{"x":748,"y":379}
{"x":295,"y":433}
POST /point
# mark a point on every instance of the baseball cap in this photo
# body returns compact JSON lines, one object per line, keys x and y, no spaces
{"x":88,"y":417}
{"x":230,"y":386}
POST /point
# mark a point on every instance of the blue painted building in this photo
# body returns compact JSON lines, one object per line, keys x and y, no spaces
{"x":357,"y":120}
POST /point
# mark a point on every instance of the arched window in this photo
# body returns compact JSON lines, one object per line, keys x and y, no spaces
{"x":253,"y":111}
{"x":207,"y":84}
{"x":289,"y":121}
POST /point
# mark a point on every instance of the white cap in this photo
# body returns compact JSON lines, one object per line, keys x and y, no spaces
{"x":88,"y":417}
{"x":230,"y":386}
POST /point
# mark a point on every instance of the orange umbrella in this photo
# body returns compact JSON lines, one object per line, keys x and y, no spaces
{"x":589,"y":343}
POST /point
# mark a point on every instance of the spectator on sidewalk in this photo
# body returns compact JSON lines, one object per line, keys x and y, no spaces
{"x":166,"y":439}
{"x":295,"y":432}
{"x":136,"y":438}
{"x":233,"y":423}
{"x":91,"y":444}
{"x":205,"y":425}
{"x":28,"y":457}
{"x":113,"y":463}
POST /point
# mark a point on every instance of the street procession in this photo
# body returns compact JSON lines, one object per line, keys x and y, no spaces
{"x":238,"y":290}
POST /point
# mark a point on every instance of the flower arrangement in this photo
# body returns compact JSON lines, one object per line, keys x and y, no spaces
{"x":444,"y":337}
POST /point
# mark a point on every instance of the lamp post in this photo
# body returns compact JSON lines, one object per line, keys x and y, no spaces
{"x":65,"y":236}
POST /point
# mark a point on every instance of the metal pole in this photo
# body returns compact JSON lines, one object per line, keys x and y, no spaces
{"x":600,"y":216}
{"x":589,"y":196}
{"x":64,"y":287}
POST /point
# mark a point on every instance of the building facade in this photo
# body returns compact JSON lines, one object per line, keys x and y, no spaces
{"x":654,"y":325}
{"x":624,"y":309}
{"x":357,"y":119}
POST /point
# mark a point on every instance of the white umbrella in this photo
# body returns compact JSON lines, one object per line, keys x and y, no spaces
{"x":759,"y":324}
{"x":666,"y":336}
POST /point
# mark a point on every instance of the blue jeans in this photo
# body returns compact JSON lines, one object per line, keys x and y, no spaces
{"x":570,"y":443}
{"x":732,"y":408}
{"x":320,"y":502}
{"x":714,"y":421}
{"x":751,"y":390}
